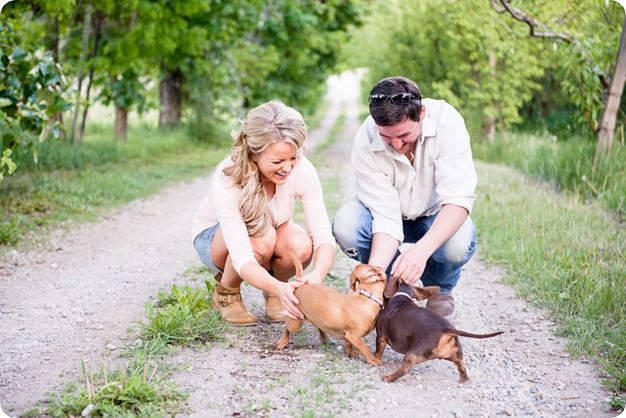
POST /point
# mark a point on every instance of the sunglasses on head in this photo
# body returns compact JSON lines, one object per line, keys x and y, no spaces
{"x":398,"y":99}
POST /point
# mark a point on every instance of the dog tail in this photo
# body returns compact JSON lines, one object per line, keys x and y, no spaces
{"x":470,"y":335}
{"x":298,"y":264}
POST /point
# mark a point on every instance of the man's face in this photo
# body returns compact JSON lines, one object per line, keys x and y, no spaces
{"x":401,"y":136}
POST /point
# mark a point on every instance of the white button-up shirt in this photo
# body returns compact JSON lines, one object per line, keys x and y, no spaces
{"x":442,"y":172}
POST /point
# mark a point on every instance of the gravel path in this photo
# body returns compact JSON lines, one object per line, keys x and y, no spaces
{"x":75,"y":297}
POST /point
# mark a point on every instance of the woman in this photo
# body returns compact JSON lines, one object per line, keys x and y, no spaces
{"x":243,"y":229}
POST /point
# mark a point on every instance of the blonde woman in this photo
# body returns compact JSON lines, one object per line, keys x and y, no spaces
{"x":244,"y":229}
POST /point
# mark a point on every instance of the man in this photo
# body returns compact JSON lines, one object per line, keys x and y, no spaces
{"x":415,"y":183}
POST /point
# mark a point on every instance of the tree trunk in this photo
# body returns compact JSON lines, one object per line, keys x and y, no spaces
{"x":171,"y":98}
{"x":94,"y":53}
{"x":489,"y":122}
{"x":81,"y":75}
{"x":121,"y":123}
{"x":606,"y":130}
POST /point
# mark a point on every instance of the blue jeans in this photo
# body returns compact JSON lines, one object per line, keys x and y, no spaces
{"x":202,"y":244}
{"x":352,"y":228}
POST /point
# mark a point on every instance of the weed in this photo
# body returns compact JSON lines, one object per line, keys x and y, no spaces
{"x":183,"y":316}
{"x":119,"y":393}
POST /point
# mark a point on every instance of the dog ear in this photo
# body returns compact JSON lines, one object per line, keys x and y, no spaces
{"x":420,"y":293}
{"x":392,"y":286}
{"x":353,"y":277}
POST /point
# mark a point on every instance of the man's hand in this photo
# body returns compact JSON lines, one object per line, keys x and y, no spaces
{"x":410,"y":264}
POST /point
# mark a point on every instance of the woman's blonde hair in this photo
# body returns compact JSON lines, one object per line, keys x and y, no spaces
{"x":264,"y":125}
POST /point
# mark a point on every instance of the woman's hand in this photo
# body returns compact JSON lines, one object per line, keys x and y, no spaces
{"x":312,"y":277}
{"x":285,"y":292}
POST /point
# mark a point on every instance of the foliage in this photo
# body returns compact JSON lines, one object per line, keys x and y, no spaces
{"x":288,"y":52}
{"x":308,"y":36}
{"x":472,"y":60}
{"x":228,"y":56}
{"x":32,"y":90}
{"x":119,"y":393}
{"x":584,"y":65}
{"x":485,"y":63}
{"x":183,"y":317}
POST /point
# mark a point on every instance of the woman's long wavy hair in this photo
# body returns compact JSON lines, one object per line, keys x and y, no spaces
{"x":264,"y":125}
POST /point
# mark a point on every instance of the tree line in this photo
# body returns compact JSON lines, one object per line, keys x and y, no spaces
{"x":502,"y":62}
{"x":194,"y":58}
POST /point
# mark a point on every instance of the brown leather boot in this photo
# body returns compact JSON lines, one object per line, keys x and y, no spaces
{"x":228,"y":301}
{"x":274,"y":309}
{"x":443,"y":304}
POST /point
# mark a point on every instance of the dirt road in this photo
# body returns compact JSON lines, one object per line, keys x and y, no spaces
{"x":74,"y":298}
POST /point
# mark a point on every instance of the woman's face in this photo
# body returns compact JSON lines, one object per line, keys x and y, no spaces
{"x":276,"y":162}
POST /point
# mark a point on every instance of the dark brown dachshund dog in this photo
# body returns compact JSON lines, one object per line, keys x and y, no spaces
{"x":419,"y":333}
{"x":347,"y":317}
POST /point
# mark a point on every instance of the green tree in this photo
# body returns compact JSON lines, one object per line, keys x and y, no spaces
{"x":32,"y":90}
{"x":307,"y":35}
{"x":471,"y":59}
{"x":593,"y":58}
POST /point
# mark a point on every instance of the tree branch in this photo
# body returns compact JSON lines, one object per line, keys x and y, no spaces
{"x":532,"y":23}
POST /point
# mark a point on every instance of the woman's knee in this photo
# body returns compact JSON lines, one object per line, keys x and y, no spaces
{"x":298,"y":244}
{"x":265,"y":246}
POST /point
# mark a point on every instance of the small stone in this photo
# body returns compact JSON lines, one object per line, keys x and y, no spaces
{"x":87,"y":411}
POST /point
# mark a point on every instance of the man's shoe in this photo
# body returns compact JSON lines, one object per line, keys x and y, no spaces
{"x":230,"y":304}
{"x":443,"y":304}
{"x":274,"y":309}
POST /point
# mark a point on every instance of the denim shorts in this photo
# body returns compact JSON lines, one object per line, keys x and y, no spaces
{"x":202,"y":244}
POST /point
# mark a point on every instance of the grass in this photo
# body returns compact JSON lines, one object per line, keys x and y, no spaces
{"x":562,"y":255}
{"x":77,"y":182}
{"x":567,"y":163}
{"x":561,"y":232}
{"x":181,"y":317}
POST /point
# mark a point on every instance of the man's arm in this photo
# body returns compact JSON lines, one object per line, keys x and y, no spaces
{"x":383,"y":250}
{"x":410,"y":265}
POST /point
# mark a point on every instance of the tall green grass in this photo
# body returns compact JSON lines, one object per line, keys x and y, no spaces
{"x":568,"y":163}
{"x":76,"y":181}
{"x":564,"y":251}
{"x":563,"y":255}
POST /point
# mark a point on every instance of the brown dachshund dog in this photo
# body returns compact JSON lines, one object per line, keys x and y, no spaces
{"x":419,"y":333}
{"x":347,"y":317}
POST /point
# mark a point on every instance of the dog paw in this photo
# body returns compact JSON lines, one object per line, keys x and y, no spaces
{"x":375,"y":362}
{"x":386,"y":378}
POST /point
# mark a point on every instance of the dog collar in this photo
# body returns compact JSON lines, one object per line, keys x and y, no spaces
{"x":371,"y":296}
{"x":403,"y":294}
